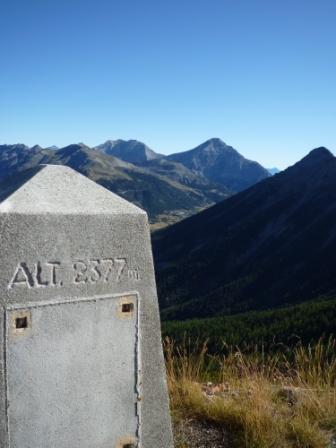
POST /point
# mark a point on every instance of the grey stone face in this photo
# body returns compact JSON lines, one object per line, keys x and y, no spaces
{"x":81,"y":363}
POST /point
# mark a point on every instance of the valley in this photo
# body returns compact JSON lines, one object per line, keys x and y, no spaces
{"x":167,"y":189}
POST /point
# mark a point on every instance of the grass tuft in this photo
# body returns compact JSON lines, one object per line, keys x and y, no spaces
{"x":263,"y":401}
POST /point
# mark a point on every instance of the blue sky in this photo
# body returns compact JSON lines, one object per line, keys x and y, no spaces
{"x":261,"y":75}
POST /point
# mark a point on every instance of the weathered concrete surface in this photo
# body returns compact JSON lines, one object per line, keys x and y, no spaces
{"x":69,"y":250}
{"x":79,"y":366}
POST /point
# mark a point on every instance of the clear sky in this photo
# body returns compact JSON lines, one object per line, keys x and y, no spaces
{"x":260,"y":74}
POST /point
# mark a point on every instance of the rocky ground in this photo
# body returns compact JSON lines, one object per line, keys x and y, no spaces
{"x":195,"y":434}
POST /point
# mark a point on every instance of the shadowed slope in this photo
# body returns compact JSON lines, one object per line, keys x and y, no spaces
{"x":272,"y":244}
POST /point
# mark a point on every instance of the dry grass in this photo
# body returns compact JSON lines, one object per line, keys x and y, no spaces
{"x":262,"y":401}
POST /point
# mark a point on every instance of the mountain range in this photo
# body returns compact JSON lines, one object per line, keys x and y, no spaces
{"x":271,"y":245}
{"x":268,"y":241}
{"x":167,"y":189}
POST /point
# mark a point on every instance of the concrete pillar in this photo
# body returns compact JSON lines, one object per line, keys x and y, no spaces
{"x":81,"y":362}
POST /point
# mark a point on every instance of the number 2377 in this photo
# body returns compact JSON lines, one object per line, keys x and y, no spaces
{"x":99,"y":270}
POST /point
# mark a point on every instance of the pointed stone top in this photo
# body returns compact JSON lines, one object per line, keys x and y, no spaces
{"x":57,"y":189}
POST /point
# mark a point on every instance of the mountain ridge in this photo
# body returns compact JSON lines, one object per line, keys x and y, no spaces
{"x":166,"y":188}
{"x":241,"y":254}
{"x":167,"y":197}
{"x":132,"y":151}
{"x":222,"y":164}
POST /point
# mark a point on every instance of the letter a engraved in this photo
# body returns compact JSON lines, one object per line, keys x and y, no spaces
{"x":22,"y":277}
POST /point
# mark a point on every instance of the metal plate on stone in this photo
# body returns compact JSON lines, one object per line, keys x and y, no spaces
{"x":73,"y":374}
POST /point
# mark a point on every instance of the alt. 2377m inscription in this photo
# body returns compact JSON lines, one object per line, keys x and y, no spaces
{"x":55,"y":274}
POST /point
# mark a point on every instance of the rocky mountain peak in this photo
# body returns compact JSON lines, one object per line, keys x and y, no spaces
{"x":221,"y":164}
{"x":132,"y":151}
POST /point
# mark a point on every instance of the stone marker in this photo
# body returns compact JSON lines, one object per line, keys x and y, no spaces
{"x":81,"y":362}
